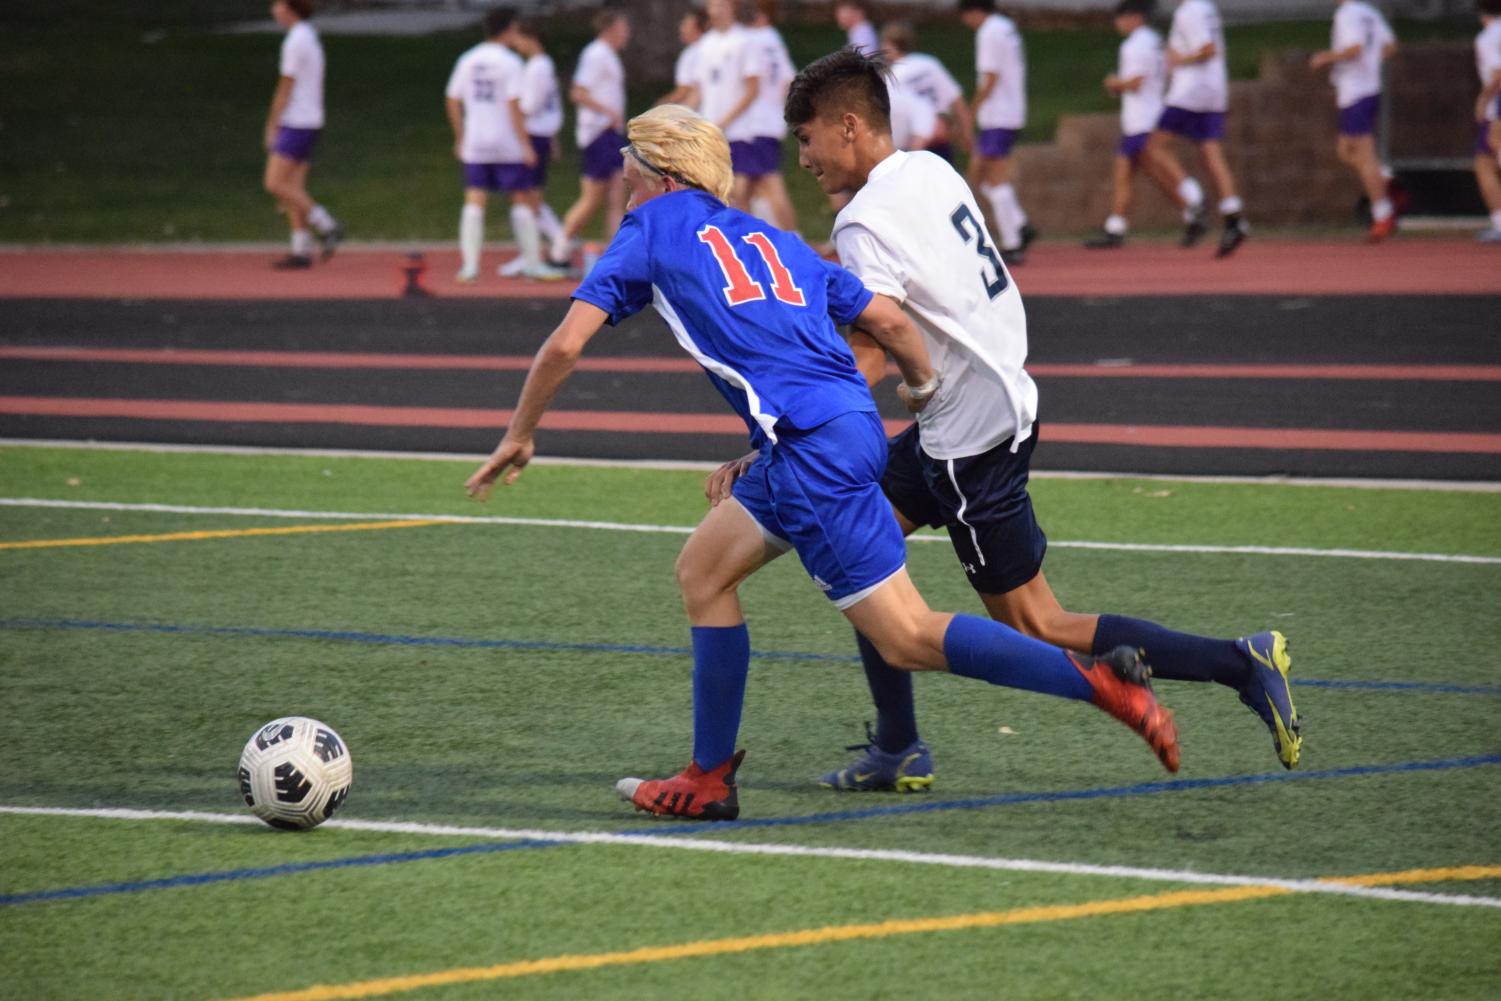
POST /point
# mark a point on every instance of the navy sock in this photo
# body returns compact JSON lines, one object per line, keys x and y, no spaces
{"x":1174,"y":656}
{"x":721,"y":660}
{"x":993,"y":652}
{"x":891,"y":691}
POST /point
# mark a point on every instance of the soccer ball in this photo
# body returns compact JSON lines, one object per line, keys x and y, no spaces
{"x":295,"y":772}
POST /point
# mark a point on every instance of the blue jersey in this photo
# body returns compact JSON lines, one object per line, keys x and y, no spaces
{"x":755,"y":306}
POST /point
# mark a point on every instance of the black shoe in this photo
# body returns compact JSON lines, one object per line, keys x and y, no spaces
{"x":331,"y":240}
{"x":1104,"y":240}
{"x":1234,"y":235}
{"x":1194,"y":229}
{"x":1015,"y":257}
{"x":1029,"y":233}
{"x":293,"y":262}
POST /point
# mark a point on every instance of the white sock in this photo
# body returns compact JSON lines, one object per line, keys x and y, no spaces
{"x":1005,"y":220}
{"x":549,"y":223}
{"x":1231,"y":205}
{"x":320,"y":220}
{"x":1009,"y":193}
{"x":1382,"y":210}
{"x":1192,"y":195}
{"x":1386,"y":171}
{"x":302,"y":243}
{"x":1116,"y":225}
{"x":562,"y":248}
{"x":1496,"y":219}
{"x":471,"y":237}
{"x":528,"y":239}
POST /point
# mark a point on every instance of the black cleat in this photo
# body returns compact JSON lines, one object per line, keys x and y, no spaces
{"x":331,"y":240}
{"x":1234,"y":235}
{"x":1015,"y":257}
{"x":1105,"y":240}
{"x":1029,"y":233}
{"x":1194,"y":229}
{"x":293,"y":262}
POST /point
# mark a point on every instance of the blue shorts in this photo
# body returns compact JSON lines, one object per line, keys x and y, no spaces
{"x":1195,"y":126}
{"x":601,"y":159}
{"x":1359,"y":119}
{"x":295,"y":144}
{"x":994,"y":144}
{"x":756,"y":157}
{"x":981,"y":500}
{"x":497,"y":176}
{"x":1131,"y":146}
{"x":819,"y":492}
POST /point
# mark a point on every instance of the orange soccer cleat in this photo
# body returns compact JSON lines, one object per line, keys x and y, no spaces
{"x":1122,"y":688}
{"x":693,"y":793}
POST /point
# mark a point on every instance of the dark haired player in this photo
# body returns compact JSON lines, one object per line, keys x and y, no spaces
{"x":292,"y":128}
{"x":913,"y":232}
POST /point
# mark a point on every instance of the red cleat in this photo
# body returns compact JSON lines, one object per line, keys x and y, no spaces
{"x":1381,"y":230}
{"x":1120,"y":680}
{"x":693,"y":793}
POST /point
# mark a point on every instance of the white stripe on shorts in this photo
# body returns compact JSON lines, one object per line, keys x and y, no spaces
{"x":963,"y":505}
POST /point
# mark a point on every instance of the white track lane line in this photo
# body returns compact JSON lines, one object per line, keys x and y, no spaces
{"x":615,"y":526}
{"x":795,"y":851}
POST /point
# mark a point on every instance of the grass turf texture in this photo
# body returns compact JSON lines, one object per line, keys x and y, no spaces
{"x":137,"y":124}
{"x":534,"y":738}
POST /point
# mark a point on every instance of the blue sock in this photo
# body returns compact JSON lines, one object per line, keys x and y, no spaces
{"x":1174,"y":656}
{"x":891,"y":691}
{"x":721,"y":660}
{"x":993,"y":652}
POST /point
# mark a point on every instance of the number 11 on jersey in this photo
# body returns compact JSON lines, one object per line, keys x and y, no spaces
{"x":739,"y":287}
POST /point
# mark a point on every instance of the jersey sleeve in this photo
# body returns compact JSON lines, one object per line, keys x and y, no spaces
{"x":1346,"y":29}
{"x":756,"y":60}
{"x":946,"y":88}
{"x":455,"y":88}
{"x":871,"y":262}
{"x":990,"y":52}
{"x":847,"y":295}
{"x":587,"y":74}
{"x":1136,"y":60}
{"x":620,"y":283}
{"x":291,"y":57}
{"x":533,"y":86}
{"x":1193,"y":29}
{"x":685,"y":72}
{"x":922,"y":119}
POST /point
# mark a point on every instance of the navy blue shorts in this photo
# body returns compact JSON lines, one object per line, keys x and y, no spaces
{"x":981,"y":500}
{"x":756,"y":157}
{"x":819,"y":492}
{"x":537,"y":176}
{"x":1195,"y":126}
{"x":1359,"y":119}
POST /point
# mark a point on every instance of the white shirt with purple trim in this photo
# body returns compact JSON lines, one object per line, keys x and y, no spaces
{"x":722,"y":69}
{"x":929,"y":79}
{"x":863,"y":37}
{"x":685,"y":70}
{"x":541,"y":99}
{"x":1141,"y":56}
{"x":601,"y":74}
{"x":766,"y":59}
{"x":1358,"y":23}
{"x":487,"y":79}
{"x":302,"y":60}
{"x":1488,"y":58}
{"x":998,"y":50}
{"x":1201,"y":86}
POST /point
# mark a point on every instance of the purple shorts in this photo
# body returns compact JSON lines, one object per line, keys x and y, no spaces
{"x":498,"y":176}
{"x":1195,"y":126}
{"x":601,"y":160}
{"x":993,"y":144}
{"x":1483,"y":139}
{"x":537,"y":176}
{"x":1131,"y":146}
{"x":1359,"y":119}
{"x":295,"y":144}
{"x":756,"y":157}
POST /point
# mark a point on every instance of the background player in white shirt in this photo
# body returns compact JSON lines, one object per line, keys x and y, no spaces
{"x":598,"y":95}
{"x":1138,"y":79}
{"x":913,"y":232}
{"x":691,"y":29}
{"x":1488,"y":115}
{"x":759,"y":186}
{"x":1198,"y":94}
{"x":854,"y":19}
{"x":292,"y":128}
{"x":1000,"y":111}
{"x":542,"y":103}
{"x":923,"y":75}
{"x":483,"y":104}
{"x":1360,"y":42}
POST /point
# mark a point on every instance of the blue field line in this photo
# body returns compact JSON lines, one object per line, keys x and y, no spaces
{"x":460,"y":642}
{"x":262,"y":872}
{"x":1107,"y":792}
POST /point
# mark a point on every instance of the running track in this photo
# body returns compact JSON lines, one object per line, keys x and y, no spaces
{"x":1299,"y":358}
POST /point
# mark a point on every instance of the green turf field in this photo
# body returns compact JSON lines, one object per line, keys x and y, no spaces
{"x":135,"y":122}
{"x":498,"y":677}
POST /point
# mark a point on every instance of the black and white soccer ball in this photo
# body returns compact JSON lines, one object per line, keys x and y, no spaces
{"x":295,"y":772}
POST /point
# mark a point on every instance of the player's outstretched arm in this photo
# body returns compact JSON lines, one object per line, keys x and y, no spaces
{"x":550,"y":369}
{"x":894,"y":331}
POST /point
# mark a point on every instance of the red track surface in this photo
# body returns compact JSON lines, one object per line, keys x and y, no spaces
{"x":1318,"y":439}
{"x":1287,"y":268}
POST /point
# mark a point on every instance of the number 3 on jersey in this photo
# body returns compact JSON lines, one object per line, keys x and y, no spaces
{"x":970,"y":229}
{"x":739,"y":287}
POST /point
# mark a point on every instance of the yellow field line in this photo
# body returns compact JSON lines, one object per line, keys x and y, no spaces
{"x":845,"y":933}
{"x":236,"y":533}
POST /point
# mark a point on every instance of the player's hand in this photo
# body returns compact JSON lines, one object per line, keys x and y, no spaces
{"x":904,"y":393}
{"x":1318,"y":60}
{"x":510,"y":457}
{"x":717,"y":487}
{"x":268,"y":140}
{"x":529,"y":155}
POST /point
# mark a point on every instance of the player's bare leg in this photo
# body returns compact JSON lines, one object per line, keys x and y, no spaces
{"x":772,"y":188}
{"x":592,"y":195}
{"x":614,"y":205}
{"x":1488,"y":179}
{"x":1168,"y":174}
{"x":1012,"y":229}
{"x":1212,"y":153}
{"x":1359,"y":154}
{"x":726,"y":548}
{"x":1114,"y":232}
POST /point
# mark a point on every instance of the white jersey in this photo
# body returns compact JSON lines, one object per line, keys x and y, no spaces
{"x":998,"y":50}
{"x":721,"y":75}
{"x":929,"y":79}
{"x":601,"y":74}
{"x":767,"y":60}
{"x":1141,"y":56}
{"x":914,"y":233}
{"x":913,"y":120}
{"x":1201,"y":86}
{"x":487,"y":79}
{"x":1358,"y":23}
{"x":302,"y":60}
{"x":685,"y":72}
{"x":1488,"y":59}
{"x":863,"y":37}
{"x":541,"y":100}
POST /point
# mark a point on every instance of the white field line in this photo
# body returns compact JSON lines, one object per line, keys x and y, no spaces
{"x":615,"y":526}
{"x":1454,"y":486}
{"x":794,"y":851}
